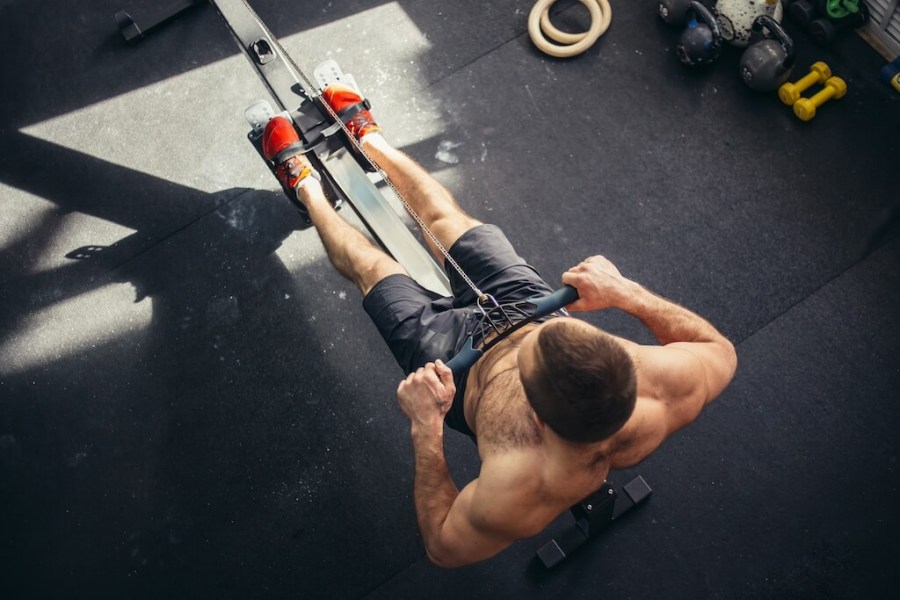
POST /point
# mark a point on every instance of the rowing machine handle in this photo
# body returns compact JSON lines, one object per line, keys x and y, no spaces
{"x":543,"y":306}
{"x":551,"y":303}
{"x":465,"y":358}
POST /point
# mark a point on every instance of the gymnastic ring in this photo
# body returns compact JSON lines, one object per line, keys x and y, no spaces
{"x":563,"y":37}
{"x":541,"y":30}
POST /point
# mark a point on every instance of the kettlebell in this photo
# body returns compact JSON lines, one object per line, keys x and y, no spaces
{"x":701,"y":40}
{"x":674,"y":12}
{"x":735,"y":17}
{"x":767,"y":63}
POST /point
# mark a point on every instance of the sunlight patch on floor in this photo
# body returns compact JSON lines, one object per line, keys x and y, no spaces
{"x":76,"y":325}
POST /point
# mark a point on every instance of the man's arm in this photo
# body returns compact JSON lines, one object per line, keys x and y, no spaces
{"x":600,"y":285}
{"x":678,"y":329}
{"x":692,"y":366}
{"x":454,"y":531}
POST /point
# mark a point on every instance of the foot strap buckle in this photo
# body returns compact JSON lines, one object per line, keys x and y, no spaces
{"x":289,"y":152}
{"x":351,"y":111}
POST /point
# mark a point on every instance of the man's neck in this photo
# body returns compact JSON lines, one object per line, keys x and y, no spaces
{"x":572,"y":455}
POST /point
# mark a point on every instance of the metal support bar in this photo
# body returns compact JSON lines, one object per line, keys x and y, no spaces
{"x":135,"y":30}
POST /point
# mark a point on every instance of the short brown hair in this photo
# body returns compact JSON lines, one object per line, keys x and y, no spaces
{"x":584,"y":385}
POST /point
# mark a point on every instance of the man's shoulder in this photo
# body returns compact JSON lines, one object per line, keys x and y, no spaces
{"x":644,"y":431}
{"x":511,"y":466}
{"x":530,"y":473}
{"x":514,"y":494}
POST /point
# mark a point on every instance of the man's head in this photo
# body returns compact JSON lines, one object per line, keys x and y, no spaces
{"x":579,"y":380}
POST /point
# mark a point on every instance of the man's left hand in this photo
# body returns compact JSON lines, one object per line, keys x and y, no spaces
{"x":426,"y":395}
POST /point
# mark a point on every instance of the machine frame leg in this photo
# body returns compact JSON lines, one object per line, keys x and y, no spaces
{"x":135,"y":30}
{"x":592,"y":516}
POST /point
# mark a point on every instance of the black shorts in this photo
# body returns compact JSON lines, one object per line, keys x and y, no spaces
{"x":421,"y":326}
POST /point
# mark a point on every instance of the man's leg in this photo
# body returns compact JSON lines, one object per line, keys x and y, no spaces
{"x":426,"y":196}
{"x":351,"y":253}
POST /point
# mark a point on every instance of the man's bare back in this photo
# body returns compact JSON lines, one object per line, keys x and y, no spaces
{"x":504,"y":423}
{"x":509,"y":434}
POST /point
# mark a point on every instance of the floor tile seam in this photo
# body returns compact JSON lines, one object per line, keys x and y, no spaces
{"x":815,"y":291}
{"x":393,"y":576}
{"x":176,"y":231}
{"x":468,"y":63}
{"x":519,"y":33}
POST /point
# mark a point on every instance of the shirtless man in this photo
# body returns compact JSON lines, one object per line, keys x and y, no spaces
{"x":554,"y":406}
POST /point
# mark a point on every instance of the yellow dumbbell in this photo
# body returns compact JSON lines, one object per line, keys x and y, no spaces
{"x":805,"y":108}
{"x":790,"y":92}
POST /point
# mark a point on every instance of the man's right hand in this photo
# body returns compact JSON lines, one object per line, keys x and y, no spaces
{"x":426,"y":395}
{"x":599,"y":285}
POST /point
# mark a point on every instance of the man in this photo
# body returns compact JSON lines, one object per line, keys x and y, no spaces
{"x":554,"y":406}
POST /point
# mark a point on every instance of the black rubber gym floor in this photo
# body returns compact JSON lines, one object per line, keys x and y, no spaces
{"x":194,"y":405}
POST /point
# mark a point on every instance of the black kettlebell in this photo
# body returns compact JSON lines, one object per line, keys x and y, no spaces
{"x":767,"y":63}
{"x":801,"y":12}
{"x":674,"y":12}
{"x":701,"y":40}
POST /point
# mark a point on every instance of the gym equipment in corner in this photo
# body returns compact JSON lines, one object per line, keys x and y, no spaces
{"x":767,"y":62}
